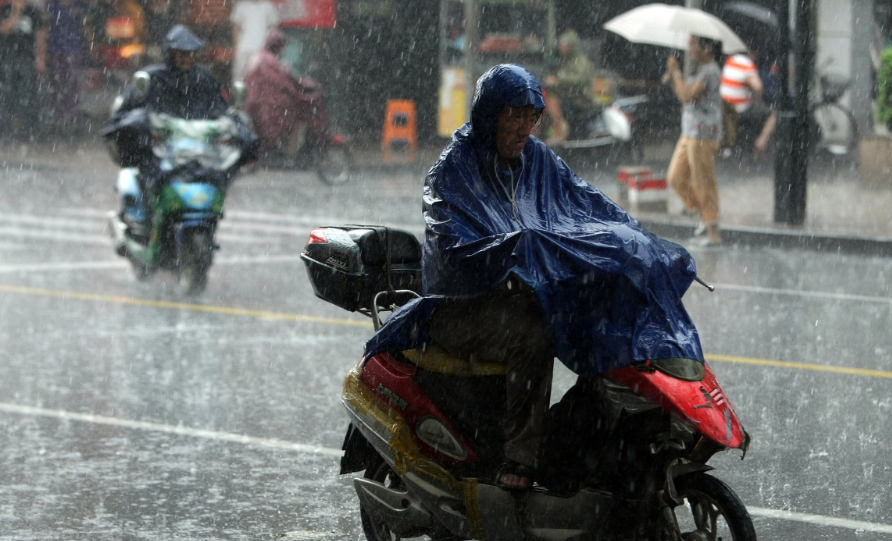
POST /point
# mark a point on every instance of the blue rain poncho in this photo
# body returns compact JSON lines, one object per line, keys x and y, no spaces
{"x":610,"y":290}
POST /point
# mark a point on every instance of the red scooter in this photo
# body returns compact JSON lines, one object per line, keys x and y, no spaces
{"x":624,"y":457}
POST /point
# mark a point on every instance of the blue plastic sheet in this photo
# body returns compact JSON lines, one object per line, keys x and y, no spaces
{"x":611,"y":291}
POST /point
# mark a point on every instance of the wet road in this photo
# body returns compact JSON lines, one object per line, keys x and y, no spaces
{"x":128,"y":412}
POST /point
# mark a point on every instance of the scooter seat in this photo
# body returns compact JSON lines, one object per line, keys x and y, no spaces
{"x":435,"y":359}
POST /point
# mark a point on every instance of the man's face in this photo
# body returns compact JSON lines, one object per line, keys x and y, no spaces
{"x":184,"y":60}
{"x":513,"y":129}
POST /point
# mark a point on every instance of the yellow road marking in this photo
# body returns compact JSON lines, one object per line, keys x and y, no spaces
{"x":180,"y":306}
{"x":801,"y":366}
{"x":356,"y":323}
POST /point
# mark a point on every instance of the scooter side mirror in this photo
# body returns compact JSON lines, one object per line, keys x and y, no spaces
{"x":239,"y":93}
{"x":141,"y":83}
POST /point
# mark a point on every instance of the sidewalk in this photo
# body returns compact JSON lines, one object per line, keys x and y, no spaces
{"x":843,"y":212}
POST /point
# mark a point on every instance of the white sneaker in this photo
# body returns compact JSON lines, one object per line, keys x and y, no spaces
{"x":700,"y":230}
{"x":704,"y":242}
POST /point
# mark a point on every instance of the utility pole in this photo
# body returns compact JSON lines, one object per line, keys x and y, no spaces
{"x":792,"y":142}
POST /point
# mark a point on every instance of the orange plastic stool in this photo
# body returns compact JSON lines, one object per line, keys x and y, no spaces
{"x":399,"y":130}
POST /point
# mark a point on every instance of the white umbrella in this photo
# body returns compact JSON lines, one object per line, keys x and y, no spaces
{"x":672,"y":26}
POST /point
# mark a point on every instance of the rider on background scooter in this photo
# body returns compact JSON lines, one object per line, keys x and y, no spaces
{"x":180,"y":88}
{"x":523,"y":260}
{"x":287,"y":110}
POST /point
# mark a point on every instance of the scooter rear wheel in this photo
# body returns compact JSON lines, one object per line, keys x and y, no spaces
{"x":335,"y":165}
{"x":711,"y":511}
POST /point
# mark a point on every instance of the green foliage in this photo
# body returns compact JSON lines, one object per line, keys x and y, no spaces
{"x":884,"y":86}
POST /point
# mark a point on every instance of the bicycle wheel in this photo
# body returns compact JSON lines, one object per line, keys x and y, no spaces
{"x":834,"y":130}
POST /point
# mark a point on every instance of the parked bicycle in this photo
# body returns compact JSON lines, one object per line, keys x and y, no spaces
{"x":834,"y":129}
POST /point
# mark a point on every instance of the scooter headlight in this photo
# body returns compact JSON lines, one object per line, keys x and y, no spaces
{"x":433,"y":432}
{"x":679,"y":368}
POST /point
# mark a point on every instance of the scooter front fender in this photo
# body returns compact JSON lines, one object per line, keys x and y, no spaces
{"x":702,"y":403}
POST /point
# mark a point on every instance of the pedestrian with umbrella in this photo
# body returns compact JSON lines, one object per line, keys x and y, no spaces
{"x":692,"y":168}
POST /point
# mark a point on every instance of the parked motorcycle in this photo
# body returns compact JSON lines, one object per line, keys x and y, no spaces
{"x":625,"y":455}
{"x":610,"y":128}
{"x":197,"y":160}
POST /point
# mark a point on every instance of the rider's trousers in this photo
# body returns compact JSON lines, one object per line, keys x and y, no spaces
{"x":505,"y":326}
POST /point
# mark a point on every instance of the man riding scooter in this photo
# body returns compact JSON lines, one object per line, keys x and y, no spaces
{"x":170,"y":127}
{"x":524,"y":261}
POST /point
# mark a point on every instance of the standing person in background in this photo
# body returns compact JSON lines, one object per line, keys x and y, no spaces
{"x":251,"y":22}
{"x":741,"y":84}
{"x":742,"y":87}
{"x":692,"y":168}
{"x":66,"y":46}
{"x":22,"y":60}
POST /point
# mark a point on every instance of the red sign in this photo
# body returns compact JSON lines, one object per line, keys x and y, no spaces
{"x":307,"y":13}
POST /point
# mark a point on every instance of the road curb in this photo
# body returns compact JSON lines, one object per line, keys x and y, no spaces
{"x":778,"y":238}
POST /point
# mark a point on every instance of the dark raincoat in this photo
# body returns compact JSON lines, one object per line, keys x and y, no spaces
{"x":611,"y":291}
{"x":193,"y":94}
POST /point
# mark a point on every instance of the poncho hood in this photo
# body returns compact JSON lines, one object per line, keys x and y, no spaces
{"x":502,"y":85}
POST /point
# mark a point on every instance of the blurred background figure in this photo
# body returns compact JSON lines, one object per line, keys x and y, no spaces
{"x":287,"y":110}
{"x":160,"y":18}
{"x":22,"y":60}
{"x":66,"y":47}
{"x":252,"y":21}
{"x":572,"y":86}
{"x":119,"y":34}
{"x":753,"y":115}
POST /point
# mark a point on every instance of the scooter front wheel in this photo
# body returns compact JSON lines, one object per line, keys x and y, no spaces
{"x":710,"y":511}
{"x":141,"y":271}
{"x":195,"y":261}
{"x":335,"y":165}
